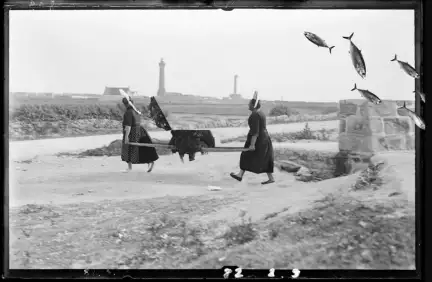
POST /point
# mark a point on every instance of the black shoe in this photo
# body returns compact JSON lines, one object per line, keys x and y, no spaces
{"x":235,"y":177}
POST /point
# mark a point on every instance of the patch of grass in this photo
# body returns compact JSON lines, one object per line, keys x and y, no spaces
{"x":305,"y":134}
{"x":154,"y":233}
{"x":301,"y":118}
{"x":336,"y":233}
{"x":274,"y":214}
{"x":29,"y":161}
{"x":281,"y":110}
{"x":242,"y":233}
{"x":369,"y":178}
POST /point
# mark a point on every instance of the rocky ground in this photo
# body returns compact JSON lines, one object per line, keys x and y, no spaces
{"x":69,"y":212}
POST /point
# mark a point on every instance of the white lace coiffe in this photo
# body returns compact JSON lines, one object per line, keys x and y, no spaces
{"x":130,"y":101}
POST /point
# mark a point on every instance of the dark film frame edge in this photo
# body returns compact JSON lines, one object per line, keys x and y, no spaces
{"x":422,"y":137}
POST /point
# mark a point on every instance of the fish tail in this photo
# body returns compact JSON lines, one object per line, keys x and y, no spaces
{"x":355,"y":87}
{"x":331,"y":49}
{"x":348,"y":37}
{"x":394,"y":59}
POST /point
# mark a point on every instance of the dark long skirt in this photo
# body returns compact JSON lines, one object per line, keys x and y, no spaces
{"x":137,"y":154}
{"x":262,"y":159}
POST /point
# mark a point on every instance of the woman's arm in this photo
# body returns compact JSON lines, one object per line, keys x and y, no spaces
{"x":127,"y":132}
{"x":254,"y":128}
{"x":127,"y":122}
{"x":253,"y":140}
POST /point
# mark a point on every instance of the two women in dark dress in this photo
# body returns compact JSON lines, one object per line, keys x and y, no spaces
{"x":134,"y":132}
{"x":259,"y":158}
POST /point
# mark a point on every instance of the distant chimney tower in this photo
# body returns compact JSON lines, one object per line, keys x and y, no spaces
{"x":161,"y":91}
{"x":235,"y":84}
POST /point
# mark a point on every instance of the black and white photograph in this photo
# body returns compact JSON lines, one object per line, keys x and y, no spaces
{"x":273,"y":139}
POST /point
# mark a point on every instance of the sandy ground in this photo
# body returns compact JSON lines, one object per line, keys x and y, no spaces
{"x":61,"y":180}
{"x":57,"y":181}
{"x":22,"y":150}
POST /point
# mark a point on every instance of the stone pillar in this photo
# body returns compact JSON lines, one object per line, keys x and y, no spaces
{"x":161,"y":91}
{"x":235,"y":84}
{"x":368,"y":128}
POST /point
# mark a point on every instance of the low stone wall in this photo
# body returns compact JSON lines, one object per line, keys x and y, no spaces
{"x":368,"y":128}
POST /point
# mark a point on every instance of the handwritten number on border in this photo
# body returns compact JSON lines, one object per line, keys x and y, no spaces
{"x":227,"y":272}
{"x":238,"y":273}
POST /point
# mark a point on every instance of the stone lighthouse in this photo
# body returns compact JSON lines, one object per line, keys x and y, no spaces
{"x":161,"y":91}
{"x":235,"y":84}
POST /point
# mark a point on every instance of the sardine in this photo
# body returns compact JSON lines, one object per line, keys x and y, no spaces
{"x":422,"y":95}
{"x":368,"y":95}
{"x":356,"y":57}
{"x":417,"y":119}
{"x":406,"y":67}
{"x":318,"y":41}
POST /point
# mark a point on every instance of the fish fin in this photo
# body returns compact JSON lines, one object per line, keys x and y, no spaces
{"x":395,"y":58}
{"x":348,"y":37}
{"x":355,"y":87}
{"x":331,"y":49}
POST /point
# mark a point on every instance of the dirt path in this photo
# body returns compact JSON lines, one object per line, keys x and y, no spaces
{"x":22,"y":150}
{"x":61,"y":180}
{"x":67,"y":180}
{"x":104,"y":201}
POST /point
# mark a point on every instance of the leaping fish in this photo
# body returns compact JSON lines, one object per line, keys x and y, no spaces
{"x":422,"y":95}
{"x":368,"y":95}
{"x":356,"y":57}
{"x":406,"y":67}
{"x":318,"y":41}
{"x":417,"y":119}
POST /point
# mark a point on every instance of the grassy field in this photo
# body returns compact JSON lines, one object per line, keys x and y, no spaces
{"x":63,"y":108}
{"x":61,"y":117}
{"x":339,"y":231}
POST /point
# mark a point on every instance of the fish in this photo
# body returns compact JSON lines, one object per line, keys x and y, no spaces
{"x":417,"y":119}
{"x":422,"y":95}
{"x":406,"y":67}
{"x":368,"y":95}
{"x":356,"y":57}
{"x":318,"y":41}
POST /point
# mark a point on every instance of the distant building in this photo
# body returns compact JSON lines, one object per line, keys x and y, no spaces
{"x":20,"y":94}
{"x":236,"y":97}
{"x":45,"y":94}
{"x":172,"y":94}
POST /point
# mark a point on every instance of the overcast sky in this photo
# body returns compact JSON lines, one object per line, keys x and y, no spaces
{"x":84,"y":51}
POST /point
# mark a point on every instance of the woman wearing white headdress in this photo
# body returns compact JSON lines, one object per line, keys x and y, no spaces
{"x":259,"y":159}
{"x":133,"y":131}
